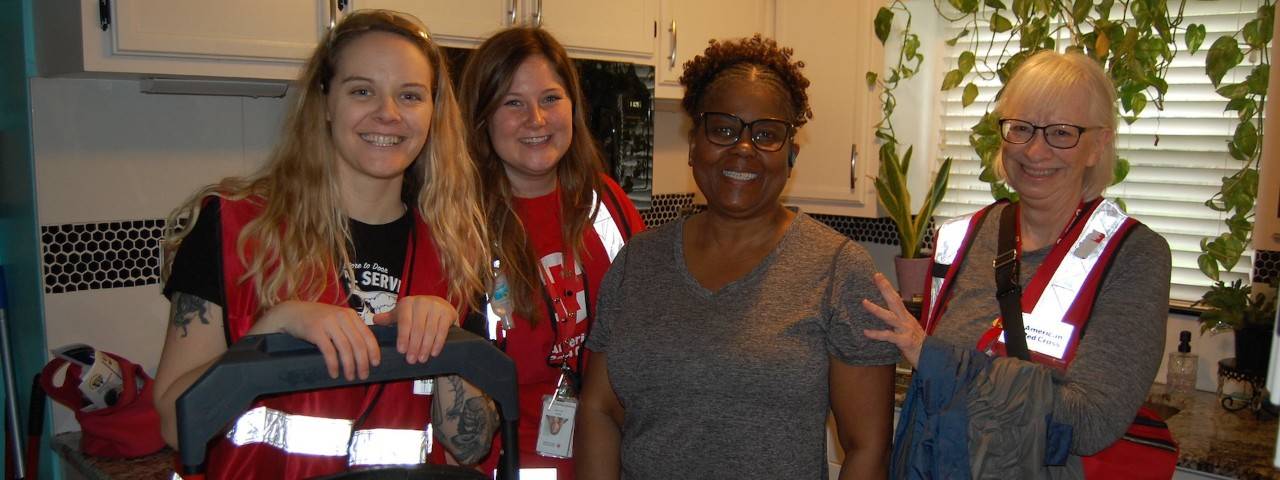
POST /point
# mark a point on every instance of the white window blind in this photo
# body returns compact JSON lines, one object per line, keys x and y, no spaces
{"x":1167,"y":183}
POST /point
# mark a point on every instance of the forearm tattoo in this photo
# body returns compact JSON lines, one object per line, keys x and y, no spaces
{"x":467,"y":422}
{"x":186,"y":309}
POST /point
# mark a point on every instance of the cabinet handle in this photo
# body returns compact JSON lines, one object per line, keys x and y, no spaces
{"x":537,"y":15}
{"x":853,"y":163}
{"x":511,"y":13}
{"x":671,"y":59}
{"x":342,"y":5}
{"x":104,"y":21}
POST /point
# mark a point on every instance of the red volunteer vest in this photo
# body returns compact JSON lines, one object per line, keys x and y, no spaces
{"x":1062,"y":290}
{"x":310,"y":445}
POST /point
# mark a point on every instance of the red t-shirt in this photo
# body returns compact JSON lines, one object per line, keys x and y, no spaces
{"x":573,"y":301}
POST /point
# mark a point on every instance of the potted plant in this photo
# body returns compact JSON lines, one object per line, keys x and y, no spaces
{"x":891,"y":181}
{"x":1249,"y":315}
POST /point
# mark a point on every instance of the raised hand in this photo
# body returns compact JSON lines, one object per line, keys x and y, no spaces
{"x":904,"y":330}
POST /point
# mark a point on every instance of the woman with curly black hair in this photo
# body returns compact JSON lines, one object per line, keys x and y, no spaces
{"x":722,"y":339}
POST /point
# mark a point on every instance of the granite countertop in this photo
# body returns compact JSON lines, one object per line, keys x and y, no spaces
{"x":1213,"y":440}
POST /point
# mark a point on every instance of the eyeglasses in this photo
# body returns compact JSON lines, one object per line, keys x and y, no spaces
{"x":1058,"y":135}
{"x":767,"y":134}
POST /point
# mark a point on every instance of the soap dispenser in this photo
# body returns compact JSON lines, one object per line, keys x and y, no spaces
{"x":1180,"y":378}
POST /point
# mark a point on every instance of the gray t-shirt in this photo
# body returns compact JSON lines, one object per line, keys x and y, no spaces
{"x":733,"y":384}
{"x":1120,"y":348}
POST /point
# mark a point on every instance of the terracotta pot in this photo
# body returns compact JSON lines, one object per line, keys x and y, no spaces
{"x":1253,"y":348}
{"x":913,"y":275}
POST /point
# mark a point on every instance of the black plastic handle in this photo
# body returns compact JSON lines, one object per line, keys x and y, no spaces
{"x":260,"y":365}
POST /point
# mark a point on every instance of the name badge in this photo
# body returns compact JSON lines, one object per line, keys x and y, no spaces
{"x":555,"y":434}
{"x":424,"y":386}
{"x":1045,"y":336}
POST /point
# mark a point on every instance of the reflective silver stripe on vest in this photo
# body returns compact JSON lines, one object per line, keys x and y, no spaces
{"x":307,"y":435}
{"x":387,"y":446}
{"x":606,"y":228}
{"x":1071,"y":274}
{"x":949,"y":239}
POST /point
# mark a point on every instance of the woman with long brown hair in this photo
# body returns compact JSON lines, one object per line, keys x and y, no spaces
{"x":366,"y":213}
{"x":556,"y":219}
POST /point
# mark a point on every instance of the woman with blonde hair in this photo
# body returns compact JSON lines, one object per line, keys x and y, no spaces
{"x":557,"y":221}
{"x":1045,"y":321}
{"x":366,"y":213}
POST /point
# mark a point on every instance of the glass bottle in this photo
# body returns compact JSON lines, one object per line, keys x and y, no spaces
{"x":1180,"y":380}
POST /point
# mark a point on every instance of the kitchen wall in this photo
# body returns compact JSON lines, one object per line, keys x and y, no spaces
{"x":110,"y":163}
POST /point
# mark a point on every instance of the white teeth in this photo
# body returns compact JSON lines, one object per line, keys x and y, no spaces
{"x":1038,"y":172}
{"x":744,"y":176}
{"x":534,"y":140}
{"x":381,"y":140}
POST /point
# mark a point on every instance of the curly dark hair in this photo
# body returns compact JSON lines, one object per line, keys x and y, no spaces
{"x":747,"y":56}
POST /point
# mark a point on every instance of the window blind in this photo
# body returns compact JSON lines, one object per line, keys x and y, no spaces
{"x":1177,"y":156}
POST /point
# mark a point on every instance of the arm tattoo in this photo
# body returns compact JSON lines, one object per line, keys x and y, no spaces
{"x":468,"y":422}
{"x":187,"y":308}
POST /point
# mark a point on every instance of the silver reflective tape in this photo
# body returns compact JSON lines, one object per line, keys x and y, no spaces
{"x":299,"y":434}
{"x":1064,"y":286}
{"x":536,"y":474}
{"x":949,"y":239}
{"x":606,"y":228}
{"x":389,"y":446}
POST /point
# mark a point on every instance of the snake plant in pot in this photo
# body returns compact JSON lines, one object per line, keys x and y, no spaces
{"x":891,"y":180}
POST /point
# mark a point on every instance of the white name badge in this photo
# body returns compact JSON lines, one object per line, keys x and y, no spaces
{"x":555,"y":433}
{"x":1045,"y":336}
{"x":424,"y":386}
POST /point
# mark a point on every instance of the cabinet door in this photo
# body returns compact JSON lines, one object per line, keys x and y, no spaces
{"x":226,"y":29}
{"x":686,"y":26}
{"x":837,"y":160}
{"x":455,"y":23}
{"x":607,"y":29}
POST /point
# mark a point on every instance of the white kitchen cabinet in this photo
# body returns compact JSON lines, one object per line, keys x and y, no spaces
{"x":187,"y":38}
{"x":685,"y":27}
{"x":610,"y":30}
{"x":837,"y":159}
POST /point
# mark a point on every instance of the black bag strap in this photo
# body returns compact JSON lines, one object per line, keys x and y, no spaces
{"x":1008,"y":292}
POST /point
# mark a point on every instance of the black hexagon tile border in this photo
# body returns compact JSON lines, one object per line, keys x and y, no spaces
{"x":93,"y":256}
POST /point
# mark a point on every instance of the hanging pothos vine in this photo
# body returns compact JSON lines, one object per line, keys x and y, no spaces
{"x":1135,"y":40}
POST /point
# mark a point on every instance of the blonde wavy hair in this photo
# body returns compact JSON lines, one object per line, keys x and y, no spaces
{"x":302,"y":235}
{"x":486,"y":78}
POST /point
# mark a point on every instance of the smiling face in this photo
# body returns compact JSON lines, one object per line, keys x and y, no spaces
{"x":532,"y":128}
{"x":379,"y":107}
{"x":1044,"y":174}
{"x":739,"y":180}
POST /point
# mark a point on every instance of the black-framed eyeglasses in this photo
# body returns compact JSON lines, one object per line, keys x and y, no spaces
{"x":767,"y":134}
{"x":1058,"y":135}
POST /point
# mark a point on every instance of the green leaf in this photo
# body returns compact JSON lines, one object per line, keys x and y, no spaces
{"x":910,"y":49}
{"x":1080,"y":10}
{"x":1195,"y":37}
{"x":1000,"y":24}
{"x":883,"y":24}
{"x":1246,"y":138}
{"x":965,"y":63}
{"x":871,"y":79}
{"x":951,"y":42}
{"x":1223,"y":55}
{"x":1021,"y":9}
{"x":951,"y":79}
{"x":1120,"y":171}
{"x":1257,"y":79}
{"x":1233,"y":90}
{"x":1246,"y":114}
{"x":1139,"y":103}
{"x":1266,"y":19}
{"x":1104,"y":8}
{"x":1208,"y":266}
{"x":996,"y":4}
{"x":970,"y":94}
{"x":1252,"y":35}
